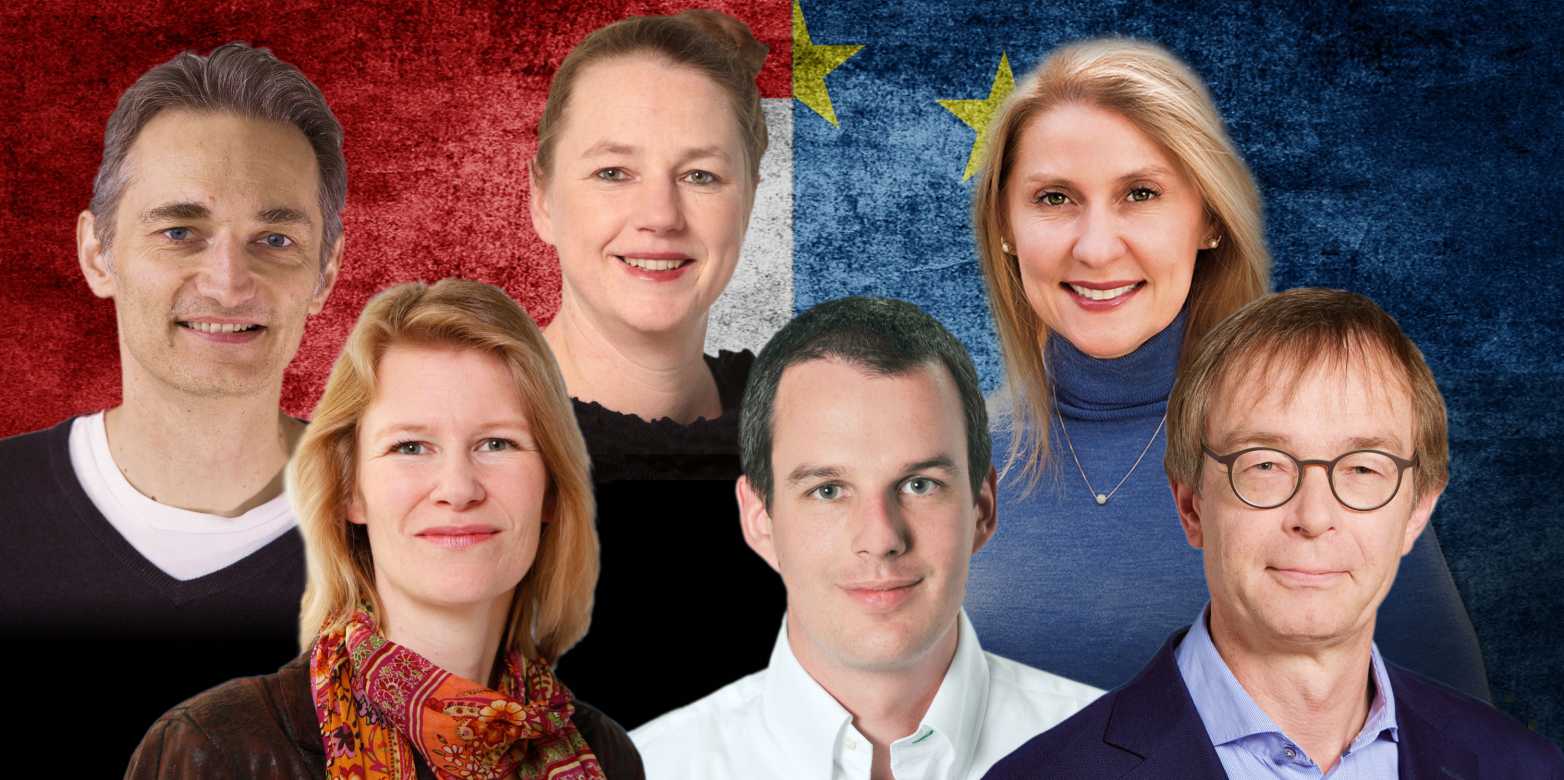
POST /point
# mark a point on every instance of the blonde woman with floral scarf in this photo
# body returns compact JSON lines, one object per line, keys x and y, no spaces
{"x":444,"y":498}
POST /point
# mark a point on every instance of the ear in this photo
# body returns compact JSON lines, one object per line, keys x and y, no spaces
{"x":542,"y":222}
{"x":328,"y":277}
{"x":987,"y":511}
{"x":355,"y":509}
{"x":1187,"y":500}
{"x":1422,"y":513}
{"x":755,"y":520}
{"x":93,"y":257}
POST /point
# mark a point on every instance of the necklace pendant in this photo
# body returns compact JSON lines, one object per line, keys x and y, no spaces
{"x":1101,"y":499}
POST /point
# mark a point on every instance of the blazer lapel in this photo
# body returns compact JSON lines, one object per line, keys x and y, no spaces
{"x":1154,"y":718}
{"x":1423,"y":752}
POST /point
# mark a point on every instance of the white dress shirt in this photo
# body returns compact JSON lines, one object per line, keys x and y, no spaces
{"x":780,"y":723}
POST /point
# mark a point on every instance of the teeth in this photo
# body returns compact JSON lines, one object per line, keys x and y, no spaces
{"x":1101,"y":295}
{"x":652,"y":265}
{"x":219,"y":327}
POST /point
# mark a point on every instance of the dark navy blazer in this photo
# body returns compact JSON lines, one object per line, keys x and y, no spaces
{"x":1149,"y":728}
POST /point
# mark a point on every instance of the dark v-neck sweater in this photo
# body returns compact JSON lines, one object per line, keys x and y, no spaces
{"x":1091,"y":591}
{"x":88,"y":622}
{"x":66,"y":572}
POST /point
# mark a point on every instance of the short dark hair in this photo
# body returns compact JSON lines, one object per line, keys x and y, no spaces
{"x":235,"y":78}
{"x":885,"y":336}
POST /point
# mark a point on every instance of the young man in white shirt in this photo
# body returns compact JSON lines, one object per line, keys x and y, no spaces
{"x":867,"y":485}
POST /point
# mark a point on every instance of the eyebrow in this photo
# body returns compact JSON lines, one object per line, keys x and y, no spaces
{"x":940,"y":462}
{"x":1265,"y":439}
{"x":805,"y":471}
{"x":606,"y":147}
{"x":1148,"y":172}
{"x":283,"y":215}
{"x":424,"y":429}
{"x":175,"y":211}
{"x":187,"y":210}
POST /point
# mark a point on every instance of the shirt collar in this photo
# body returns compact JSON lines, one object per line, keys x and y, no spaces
{"x":961,"y":703}
{"x":1230,"y":714}
{"x":809,"y":722}
{"x":806,"y":720}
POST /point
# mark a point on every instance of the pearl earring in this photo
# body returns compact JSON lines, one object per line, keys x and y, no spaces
{"x":1005,"y":245}
{"x":1212,"y":244}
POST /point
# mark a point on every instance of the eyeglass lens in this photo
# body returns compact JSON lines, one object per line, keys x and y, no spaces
{"x":1361,"y":480}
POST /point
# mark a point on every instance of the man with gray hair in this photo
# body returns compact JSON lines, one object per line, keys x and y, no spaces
{"x":215,"y":226}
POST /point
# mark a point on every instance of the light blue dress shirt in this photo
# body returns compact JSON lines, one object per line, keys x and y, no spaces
{"x":1251,"y":745}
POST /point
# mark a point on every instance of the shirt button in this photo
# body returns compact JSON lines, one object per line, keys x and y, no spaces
{"x":852,"y":744}
{"x":1290,"y":752}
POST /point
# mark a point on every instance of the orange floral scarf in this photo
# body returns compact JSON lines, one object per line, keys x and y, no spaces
{"x":377,"y":702}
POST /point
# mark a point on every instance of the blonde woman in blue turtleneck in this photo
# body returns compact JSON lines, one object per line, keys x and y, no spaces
{"x":1116,"y":224}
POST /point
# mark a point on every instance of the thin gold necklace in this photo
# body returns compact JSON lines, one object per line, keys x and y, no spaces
{"x":1102,"y":498}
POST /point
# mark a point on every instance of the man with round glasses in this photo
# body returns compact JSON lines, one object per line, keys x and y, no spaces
{"x":1279,"y":677}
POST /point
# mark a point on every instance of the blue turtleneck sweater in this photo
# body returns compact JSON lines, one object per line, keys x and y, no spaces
{"x":1091,"y":592}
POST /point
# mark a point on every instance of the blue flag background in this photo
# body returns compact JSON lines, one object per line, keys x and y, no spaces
{"x":1409,"y":153}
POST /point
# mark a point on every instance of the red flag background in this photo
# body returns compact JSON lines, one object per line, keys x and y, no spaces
{"x":438,"y":101}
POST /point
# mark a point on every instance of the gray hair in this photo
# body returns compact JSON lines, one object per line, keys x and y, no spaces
{"x":235,"y":78}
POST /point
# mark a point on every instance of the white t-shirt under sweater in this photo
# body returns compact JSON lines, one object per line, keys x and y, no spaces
{"x":184,"y":544}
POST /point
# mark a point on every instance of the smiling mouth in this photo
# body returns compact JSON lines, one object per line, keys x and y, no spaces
{"x":654,"y":264}
{"x":1094,"y":294}
{"x":220,"y":327}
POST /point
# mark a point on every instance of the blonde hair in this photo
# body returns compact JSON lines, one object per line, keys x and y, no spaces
{"x":713,"y":43}
{"x":1272,"y":341}
{"x":1164,"y":99}
{"x":553,"y":602}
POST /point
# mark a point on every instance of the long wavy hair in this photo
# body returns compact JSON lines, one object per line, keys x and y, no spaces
{"x":1162,"y":97}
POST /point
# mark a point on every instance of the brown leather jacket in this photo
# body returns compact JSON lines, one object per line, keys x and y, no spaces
{"x":265,"y":727}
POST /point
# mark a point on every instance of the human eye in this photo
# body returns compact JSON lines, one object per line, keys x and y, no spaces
{"x":701,"y":177}
{"x":1052,"y":198}
{"x":497,"y":444}
{"x":611,"y":174}
{"x":1264,"y":463}
{"x":921,"y":486}
{"x":276,"y":241}
{"x":827,"y":492}
{"x":408,"y":448}
{"x":178,"y":234}
{"x":1141,"y":194}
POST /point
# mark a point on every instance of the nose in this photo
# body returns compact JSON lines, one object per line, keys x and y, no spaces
{"x":225,"y":275}
{"x":1314,"y":510}
{"x":881,"y":530}
{"x":1099,"y":241}
{"x":458,"y":484}
{"x":659,"y":209}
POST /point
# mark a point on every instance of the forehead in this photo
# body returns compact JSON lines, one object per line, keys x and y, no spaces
{"x":641,"y":100}
{"x":832,"y":411}
{"x":220,"y":159}
{"x":439,"y":383}
{"x":1319,"y":406}
{"x":1086,"y":141}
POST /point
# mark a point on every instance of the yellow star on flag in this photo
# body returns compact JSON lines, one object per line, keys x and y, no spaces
{"x":811,"y":63}
{"x":977,"y":113}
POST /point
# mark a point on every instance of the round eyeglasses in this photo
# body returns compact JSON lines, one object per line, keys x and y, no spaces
{"x":1266,"y":478}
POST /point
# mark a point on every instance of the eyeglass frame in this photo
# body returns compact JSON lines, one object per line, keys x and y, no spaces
{"x":1402,"y":464}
